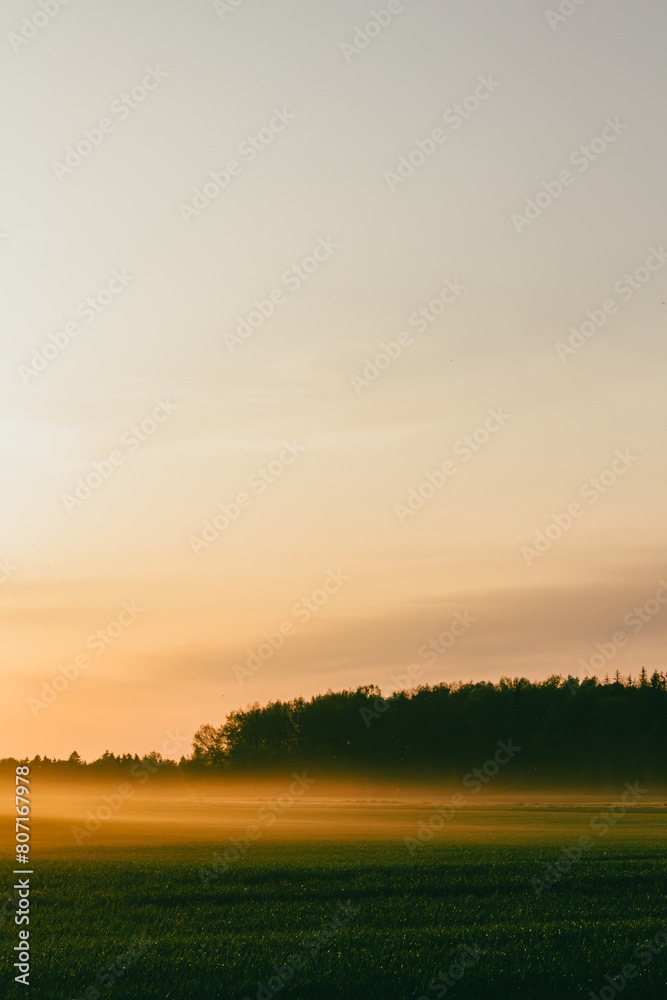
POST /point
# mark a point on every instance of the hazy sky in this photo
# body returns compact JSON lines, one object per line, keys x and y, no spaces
{"x":371,"y":159}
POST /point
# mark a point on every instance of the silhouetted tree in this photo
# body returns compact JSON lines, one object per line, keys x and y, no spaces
{"x":208,"y":745}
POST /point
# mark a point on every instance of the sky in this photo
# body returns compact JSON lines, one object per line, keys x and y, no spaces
{"x":333,"y":343}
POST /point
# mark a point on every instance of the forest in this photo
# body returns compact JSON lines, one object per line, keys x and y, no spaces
{"x":573,"y":733}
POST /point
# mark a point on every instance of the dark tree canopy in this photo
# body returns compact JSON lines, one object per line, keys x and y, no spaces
{"x":572,"y":733}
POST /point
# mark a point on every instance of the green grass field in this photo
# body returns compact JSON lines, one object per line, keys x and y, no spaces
{"x":410,"y":917}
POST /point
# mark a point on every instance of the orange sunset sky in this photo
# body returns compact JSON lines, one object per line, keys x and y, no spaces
{"x":372,"y":204}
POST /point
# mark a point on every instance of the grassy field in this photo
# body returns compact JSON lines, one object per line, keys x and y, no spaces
{"x":388,"y":922}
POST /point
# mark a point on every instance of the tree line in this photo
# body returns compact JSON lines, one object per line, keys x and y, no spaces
{"x":572,"y":732}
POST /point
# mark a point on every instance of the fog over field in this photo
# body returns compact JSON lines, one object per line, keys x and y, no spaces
{"x":99,"y":812}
